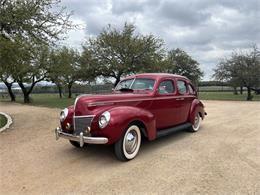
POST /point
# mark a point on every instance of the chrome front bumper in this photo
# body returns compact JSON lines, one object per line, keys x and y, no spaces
{"x":80,"y":138}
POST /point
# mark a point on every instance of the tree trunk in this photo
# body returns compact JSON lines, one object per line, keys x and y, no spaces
{"x":69,"y":88}
{"x":11,"y":94}
{"x":26,"y":94}
{"x":241,"y":90}
{"x":249,"y":95}
{"x":26,"y":98}
{"x":60,"y":90}
{"x":235,"y":91}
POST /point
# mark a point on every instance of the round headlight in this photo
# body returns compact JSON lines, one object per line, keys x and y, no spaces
{"x":104,"y":119}
{"x":63,"y":114}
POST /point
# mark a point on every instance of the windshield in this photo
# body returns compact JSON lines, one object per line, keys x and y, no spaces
{"x":136,"y":84}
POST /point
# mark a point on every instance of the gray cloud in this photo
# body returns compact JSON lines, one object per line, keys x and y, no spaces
{"x":120,"y":7}
{"x":182,"y":13}
{"x":207,"y":29}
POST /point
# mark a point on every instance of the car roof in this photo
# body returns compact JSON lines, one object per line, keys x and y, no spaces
{"x":155,"y":76}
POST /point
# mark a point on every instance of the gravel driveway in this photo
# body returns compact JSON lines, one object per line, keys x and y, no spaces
{"x":222,"y":158}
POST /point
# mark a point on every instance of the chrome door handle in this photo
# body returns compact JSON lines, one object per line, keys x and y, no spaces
{"x":179,"y":99}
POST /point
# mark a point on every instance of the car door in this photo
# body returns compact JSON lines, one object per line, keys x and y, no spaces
{"x":164,"y":105}
{"x":184,"y":99}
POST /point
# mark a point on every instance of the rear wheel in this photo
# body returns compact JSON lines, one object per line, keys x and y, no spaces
{"x":196,"y":125}
{"x":127,"y":147}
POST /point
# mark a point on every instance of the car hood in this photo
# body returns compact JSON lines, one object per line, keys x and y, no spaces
{"x":89,"y":104}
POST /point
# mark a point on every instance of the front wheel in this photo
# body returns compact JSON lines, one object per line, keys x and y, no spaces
{"x":196,"y":125}
{"x":127,"y":147}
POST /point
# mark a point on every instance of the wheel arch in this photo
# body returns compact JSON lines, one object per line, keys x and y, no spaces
{"x":141,"y":125}
{"x":196,"y":107}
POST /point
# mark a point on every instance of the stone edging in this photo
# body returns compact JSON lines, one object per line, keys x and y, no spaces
{"x":9,"y":122}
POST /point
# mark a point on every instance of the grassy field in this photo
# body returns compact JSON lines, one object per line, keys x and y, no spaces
{"x":3,"y":120}
{"x":47,"y":100}
{"x":53,"y":101}
{"x":225,"y":96}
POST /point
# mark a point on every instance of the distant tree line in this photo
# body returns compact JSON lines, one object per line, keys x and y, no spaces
{"x":213,"y":83}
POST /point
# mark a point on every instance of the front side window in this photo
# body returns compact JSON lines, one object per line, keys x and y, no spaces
{"x":181,"y":87}
{"x":166,"y":87}
{"x":124,"y":84}
{"x":143,"y":84}
{"x":136,"y":84}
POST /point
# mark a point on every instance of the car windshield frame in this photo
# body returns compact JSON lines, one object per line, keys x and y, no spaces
{"x":134,"y":82}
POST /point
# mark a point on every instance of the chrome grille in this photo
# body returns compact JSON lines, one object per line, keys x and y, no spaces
{"x":81,"y":123}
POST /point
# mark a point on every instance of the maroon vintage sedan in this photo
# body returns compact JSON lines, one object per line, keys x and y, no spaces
{"x":144,"y":105}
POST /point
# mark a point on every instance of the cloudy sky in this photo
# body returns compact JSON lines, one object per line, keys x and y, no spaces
{"x":207,"y":30}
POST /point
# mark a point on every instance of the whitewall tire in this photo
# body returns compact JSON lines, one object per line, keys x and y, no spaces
{"x":127,"y":147}
{"x":196,"y":125}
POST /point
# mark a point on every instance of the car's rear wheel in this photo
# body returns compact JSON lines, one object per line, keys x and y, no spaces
{"x":196,"y":125}
{"x":127,"y":147}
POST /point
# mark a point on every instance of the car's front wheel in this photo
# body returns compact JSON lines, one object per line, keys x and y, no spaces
{"x":196,"y":125}
{"x":127,"y":147}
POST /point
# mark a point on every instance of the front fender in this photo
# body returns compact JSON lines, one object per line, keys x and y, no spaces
{"x":121,"y":117}
{"x":196,"y":107}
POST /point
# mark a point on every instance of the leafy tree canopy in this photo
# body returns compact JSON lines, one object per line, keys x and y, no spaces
{"x":241,"y":69}
{"x":179,"y":62}
{"x":121,"y":52}
{"x":34,"y":20}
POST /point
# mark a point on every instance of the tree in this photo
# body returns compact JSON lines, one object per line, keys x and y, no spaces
{"x":179,"y":62}
{"x":88,"y":66}
{"x":32,"y":69}
{"x":226,"y":73}
{"x":8,"y":55}
{"x":32,"y":22}
{"x":67,"y":67}
{"x":241,"y":68}
{"x":55,"y":72}
{"x":122,"y":52}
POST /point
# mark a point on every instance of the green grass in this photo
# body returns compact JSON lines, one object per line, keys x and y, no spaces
{"x":3,"y":120}
{"x":47,"y":100}
{"x":226,"y":96}
{"x":53,"y":100}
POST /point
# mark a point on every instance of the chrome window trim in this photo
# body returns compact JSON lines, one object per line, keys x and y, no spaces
{"x":130,"y":87}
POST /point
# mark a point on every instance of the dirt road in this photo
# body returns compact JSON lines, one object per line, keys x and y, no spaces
{"x":222,"y":158}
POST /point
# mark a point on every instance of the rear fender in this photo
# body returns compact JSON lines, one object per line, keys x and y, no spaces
{"x":196,"y":107}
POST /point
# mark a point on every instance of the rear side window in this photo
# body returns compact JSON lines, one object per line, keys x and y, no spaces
{"x":182,"y":88}
{"x":166,"y":87}
{"x":191,"y":90}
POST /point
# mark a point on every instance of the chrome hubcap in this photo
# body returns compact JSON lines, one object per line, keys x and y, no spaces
{"x":196,"y":122}
{"x":131,"y":141}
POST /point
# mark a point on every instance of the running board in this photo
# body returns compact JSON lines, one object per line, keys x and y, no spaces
{"x":168,"y":131}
